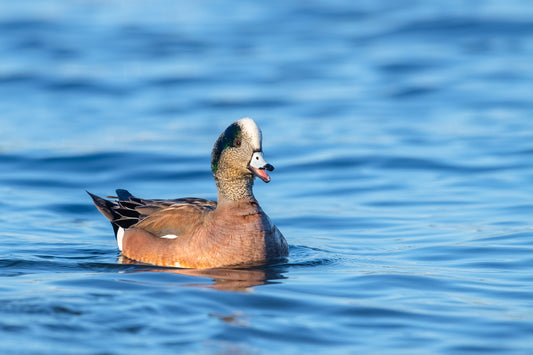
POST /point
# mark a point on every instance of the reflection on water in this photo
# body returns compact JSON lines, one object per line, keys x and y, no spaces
{"x":402,"y":137}
{"x":226,"y":279}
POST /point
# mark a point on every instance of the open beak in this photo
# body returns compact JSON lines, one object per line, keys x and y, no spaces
{"x":259,"y":166}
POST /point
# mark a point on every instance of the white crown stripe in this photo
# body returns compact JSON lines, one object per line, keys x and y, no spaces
{"x":250,"y":129}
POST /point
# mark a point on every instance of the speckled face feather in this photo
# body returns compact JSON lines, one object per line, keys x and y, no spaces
{"x":244,"y":128}
{"x":231,"y":137}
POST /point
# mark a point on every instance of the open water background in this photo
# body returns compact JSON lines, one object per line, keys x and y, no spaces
{"x":401,"y":132}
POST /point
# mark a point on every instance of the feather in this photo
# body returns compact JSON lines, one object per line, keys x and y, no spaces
{"x":123,"y":195}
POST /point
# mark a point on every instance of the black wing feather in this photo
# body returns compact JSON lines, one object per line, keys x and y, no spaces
{"x":128,"y":210}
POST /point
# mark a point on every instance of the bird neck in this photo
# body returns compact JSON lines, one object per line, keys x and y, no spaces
{"x":235,"y":189}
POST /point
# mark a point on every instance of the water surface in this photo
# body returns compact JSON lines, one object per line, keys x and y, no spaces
{"x":402,"y":138}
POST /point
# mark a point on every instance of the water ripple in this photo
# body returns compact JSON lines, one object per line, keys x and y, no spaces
{"x":401,"y":136}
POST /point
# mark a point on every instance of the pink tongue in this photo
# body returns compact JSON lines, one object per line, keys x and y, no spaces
{"x":262,"y":174}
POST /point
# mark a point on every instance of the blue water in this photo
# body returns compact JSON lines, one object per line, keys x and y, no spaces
{"x":401,"y":132}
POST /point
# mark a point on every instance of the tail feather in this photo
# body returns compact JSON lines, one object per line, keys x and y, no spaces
{"x":121,"y":214}
{"x":127,"y":212}
{"x":105,"y":207}
{"x":125,"y":222}
{"x":129,"y":204}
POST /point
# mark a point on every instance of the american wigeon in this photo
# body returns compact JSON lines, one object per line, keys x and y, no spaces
{"x":199,"y":233}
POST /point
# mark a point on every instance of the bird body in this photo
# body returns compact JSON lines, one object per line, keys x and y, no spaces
{"x":199,"y":233}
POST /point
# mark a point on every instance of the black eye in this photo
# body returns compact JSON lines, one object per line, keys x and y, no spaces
{"x":237,"y":142}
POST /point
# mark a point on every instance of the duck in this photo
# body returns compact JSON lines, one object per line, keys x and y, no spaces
{"x":199,"y":233}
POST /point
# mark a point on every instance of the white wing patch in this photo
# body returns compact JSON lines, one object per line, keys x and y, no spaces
{"x":169,"y":236}
{"x":250,"y":129}
{"x":120,"y":236}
